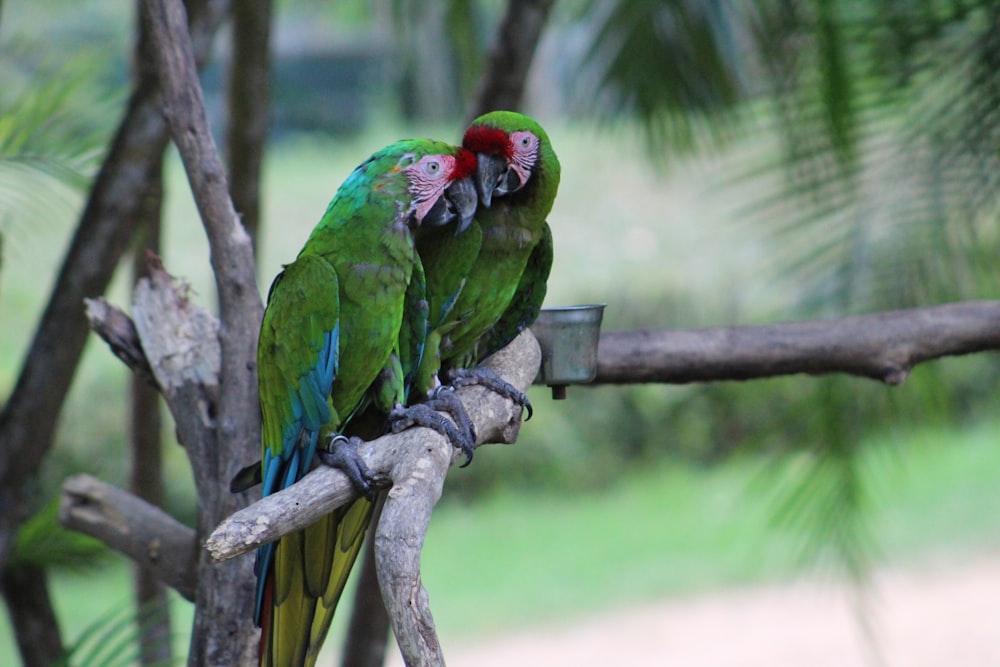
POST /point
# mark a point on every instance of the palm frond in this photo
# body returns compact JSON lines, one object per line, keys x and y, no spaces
{"x":669,"y":65}
{"x":901,"y":197}
{"x":113,"y":639}
{"x":823,"y":494}
{"x":54,"y":125}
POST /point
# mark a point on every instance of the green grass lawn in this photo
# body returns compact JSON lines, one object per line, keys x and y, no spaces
{"x":521,"y":559}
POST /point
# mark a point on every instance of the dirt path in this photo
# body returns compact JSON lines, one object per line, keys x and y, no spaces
{"x":934,"y":615}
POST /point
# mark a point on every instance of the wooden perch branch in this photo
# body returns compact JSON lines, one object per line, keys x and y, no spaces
{"x":416,"y":461}
{"x":883,"y":346}
{"x":324,"y":489}
{"x":130,"y":525}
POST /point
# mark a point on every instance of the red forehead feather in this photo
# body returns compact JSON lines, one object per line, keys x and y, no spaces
{"x":465,"y":164}
{"x":486,"y":139}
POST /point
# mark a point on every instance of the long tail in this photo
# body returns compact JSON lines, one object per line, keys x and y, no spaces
{"x":304,"y":583}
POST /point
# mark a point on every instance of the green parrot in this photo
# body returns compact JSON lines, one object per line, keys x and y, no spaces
{"x":487,"y":285}
{"x":332,"y":343}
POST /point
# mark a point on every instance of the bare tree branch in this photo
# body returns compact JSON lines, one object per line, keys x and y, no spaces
{"x":883,"y":346}
{"x":502,"y":84}
{"x":417,"y":461}
{"x":134,"y":527}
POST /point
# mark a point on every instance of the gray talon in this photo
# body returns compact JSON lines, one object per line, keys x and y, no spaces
{"x":343,"y":455}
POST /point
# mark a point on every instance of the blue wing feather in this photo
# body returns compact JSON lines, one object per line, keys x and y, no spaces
{"x":305,"y":410}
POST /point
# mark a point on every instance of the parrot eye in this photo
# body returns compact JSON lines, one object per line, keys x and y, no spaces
{"x":525,"y":144}
{"x":433,"y":167}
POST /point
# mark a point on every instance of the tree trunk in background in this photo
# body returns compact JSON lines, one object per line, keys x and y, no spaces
{"x":248,"y":98}
{"x":112,"y":211}
{"x":146,"y":472}
{"x":502,"y":84}
{"x":145,"y":423}
{"x":26,"y":592}
{"x":368,"y":632}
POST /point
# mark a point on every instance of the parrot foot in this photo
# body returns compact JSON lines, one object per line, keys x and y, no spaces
{"x":343,"y":455}
{"x":462,"y":437}
{"x":464,"y":377}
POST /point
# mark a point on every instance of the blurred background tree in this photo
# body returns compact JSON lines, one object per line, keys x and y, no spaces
{"x":830,"y":158}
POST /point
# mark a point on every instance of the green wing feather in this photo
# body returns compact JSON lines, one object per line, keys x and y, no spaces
{"x":298,"y":361}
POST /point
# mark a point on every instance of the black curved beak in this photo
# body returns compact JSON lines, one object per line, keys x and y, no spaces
{"x":491,"y":173}
{"x":464,"y":200}
{"x":457,"y":203}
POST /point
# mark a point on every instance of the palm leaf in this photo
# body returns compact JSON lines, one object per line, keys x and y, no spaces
{"x":113,"y":639}
{"x":667,"y":64}
{"x":53,"y":129}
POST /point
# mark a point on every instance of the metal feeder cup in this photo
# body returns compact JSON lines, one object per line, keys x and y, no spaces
{"x":568,"y":336}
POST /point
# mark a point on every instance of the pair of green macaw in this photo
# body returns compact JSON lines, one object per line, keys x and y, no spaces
{"x":429,"y":258}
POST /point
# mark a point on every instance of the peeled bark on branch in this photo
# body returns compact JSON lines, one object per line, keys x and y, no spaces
{"x":882,"y":346}
{"x":117,"y":329}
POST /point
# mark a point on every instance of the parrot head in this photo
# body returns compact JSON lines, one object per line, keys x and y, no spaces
{"x":509,"y":148}
{"x":441,"y":184}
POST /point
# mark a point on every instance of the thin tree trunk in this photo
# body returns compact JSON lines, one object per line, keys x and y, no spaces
{"x":368,"y":632}
{"x":249,"y":95}
{"x":219,"y":446}
{"x":26,"y":592}
{"x":502,"y":84}
{"x":146,"y":473}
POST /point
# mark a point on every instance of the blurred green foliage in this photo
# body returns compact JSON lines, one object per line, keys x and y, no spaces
{"x":851,"y":166}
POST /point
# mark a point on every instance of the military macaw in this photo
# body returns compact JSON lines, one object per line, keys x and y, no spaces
{"x":332,"y":342}
{"x":488,"y":284}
